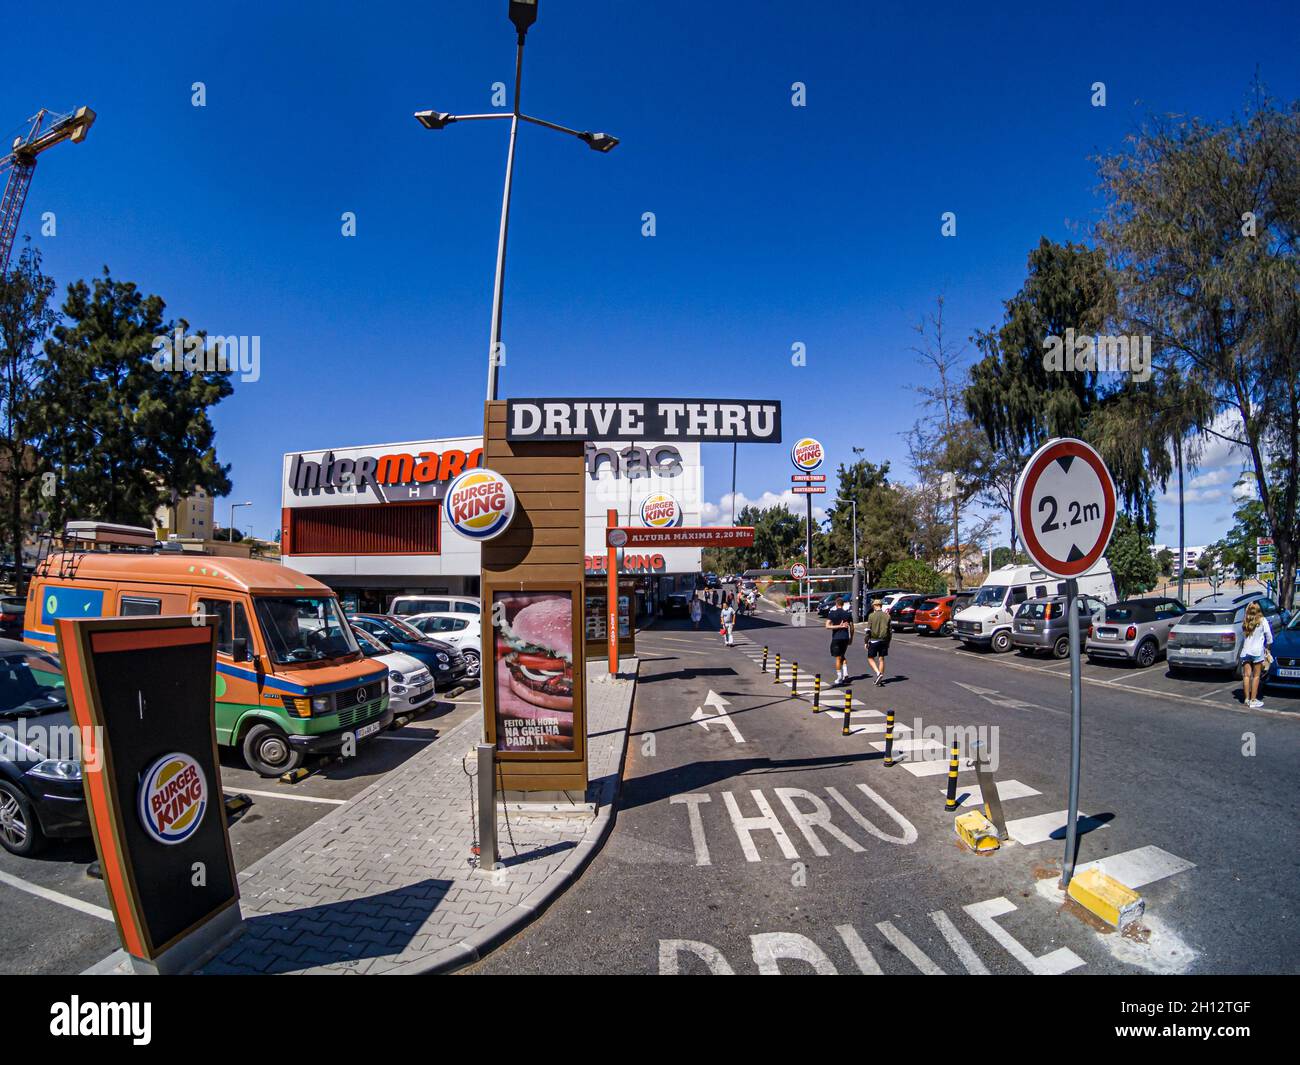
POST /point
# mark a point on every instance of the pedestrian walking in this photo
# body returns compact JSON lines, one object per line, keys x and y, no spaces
{"x":1255,"y":656}
{"x":840,"y":622}
{"x":697,"y":611}
{"x":728,"y":619}
{"x":877,"y":639}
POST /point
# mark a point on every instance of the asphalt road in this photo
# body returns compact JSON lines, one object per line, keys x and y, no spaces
{"x":786,"y":846}
{"x":56,"y":918}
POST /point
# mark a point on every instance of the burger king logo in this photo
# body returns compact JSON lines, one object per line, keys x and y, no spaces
{"x":173,"y":798}
{"x":660,"y":511}
{"x":480,"y":504}
{"x":807,"y":454}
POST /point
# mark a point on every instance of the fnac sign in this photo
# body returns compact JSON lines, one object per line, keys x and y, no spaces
{"x":480,"y":504}
{"x":173,"y":798}
{"x":660,"y":511}
{"x":807,"y":454}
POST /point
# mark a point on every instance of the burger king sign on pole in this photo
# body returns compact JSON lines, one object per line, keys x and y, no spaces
{"x":661,"y":511}
{"x":480,"y":504}
{"x":807,"y":454}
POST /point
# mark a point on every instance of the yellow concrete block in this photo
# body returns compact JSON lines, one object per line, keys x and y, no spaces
{"x":1106,"y":897}
{"x":977,"y":832}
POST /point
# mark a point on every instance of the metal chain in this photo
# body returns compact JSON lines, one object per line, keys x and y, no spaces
{"x":474,"y":858}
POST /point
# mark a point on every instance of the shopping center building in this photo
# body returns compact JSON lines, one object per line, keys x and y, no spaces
{"x":369,"y":522}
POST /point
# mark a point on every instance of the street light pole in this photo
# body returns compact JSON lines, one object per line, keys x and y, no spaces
{"x":230,"y":535}
{"x":854,"y":504}
{"x":523,"y":13}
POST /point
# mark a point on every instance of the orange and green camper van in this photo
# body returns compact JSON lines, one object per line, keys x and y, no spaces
{"x":290,"y":677}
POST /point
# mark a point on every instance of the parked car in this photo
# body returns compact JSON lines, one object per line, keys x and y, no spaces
{"x":1043,"y":624}
{"x":12,"y":608}
{"x":1209,"y":635}
{"x":407,"y":605}
{"x":447,"y":665}
{"x":677,"y":605}
{"x":902,"y":612}
{"x":1285,"y":670}
{"x":987,"y":622}
{"x":933,"y":615}
{"x":410,"y":684}
{"x":40,"y":796}
{"x":1134,"y":630}
{"x":462,"y":631}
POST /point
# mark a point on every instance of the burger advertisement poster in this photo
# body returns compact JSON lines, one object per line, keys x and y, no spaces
{"x":533,"y":678}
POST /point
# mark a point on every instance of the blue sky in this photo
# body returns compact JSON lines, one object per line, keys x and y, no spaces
{"x":775,"y":224}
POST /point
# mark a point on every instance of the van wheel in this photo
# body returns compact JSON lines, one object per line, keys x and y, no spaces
{"x":20,"y":832}
{"x":1146,"y":654}
{"x":267,"y":751}
{"x":1061,"y":649}
{"x":1001,"y":642}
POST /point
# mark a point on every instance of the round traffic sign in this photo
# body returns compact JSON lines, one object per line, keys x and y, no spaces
{"x":1065,"y":507}
{"x":798,"y":571}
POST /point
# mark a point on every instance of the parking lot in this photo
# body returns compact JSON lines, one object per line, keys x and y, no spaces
{"x":56,"y":915}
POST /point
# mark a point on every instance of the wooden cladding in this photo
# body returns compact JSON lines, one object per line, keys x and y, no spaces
{"x":364,"y":529}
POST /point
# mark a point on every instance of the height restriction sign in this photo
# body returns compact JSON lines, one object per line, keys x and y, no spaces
{"x":1065,"y":507}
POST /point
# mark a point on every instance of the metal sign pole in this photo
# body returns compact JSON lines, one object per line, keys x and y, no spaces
{"x":1076,"y":733}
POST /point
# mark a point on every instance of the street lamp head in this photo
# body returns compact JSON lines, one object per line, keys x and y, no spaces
{"x":434,"y":119}
{"x":523,"y":13}
{"x":599,"y":142}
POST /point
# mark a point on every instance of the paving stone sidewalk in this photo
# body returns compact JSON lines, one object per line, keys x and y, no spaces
{"x":384,"y":884}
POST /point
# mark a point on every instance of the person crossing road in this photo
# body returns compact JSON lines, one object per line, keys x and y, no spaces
{"x":877,"y":639}
{"x":728,"y":619}
{"x":840,"y":623}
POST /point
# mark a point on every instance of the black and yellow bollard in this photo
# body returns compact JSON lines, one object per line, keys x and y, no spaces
{"x":951,"y":803}
{"x":889,"y":737}
{"x":777,"y":679}
{"x":764,"y":669}
{"x":794,"y":679}
{"x":817,"y":693}
{"x":848,"y":712}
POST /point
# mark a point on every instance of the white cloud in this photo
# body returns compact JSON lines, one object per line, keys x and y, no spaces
{"x":720,"y":513}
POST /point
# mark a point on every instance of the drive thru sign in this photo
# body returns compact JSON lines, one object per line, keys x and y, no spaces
{"x":1065,"y":513}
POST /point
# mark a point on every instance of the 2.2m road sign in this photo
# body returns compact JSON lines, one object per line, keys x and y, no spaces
{"x":1065,"y":507}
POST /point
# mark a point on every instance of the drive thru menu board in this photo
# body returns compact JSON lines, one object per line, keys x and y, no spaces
{"x":595,"y":607}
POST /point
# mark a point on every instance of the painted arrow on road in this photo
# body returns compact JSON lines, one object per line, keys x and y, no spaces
{"x":989,"y":695}
{"x":720,"y":714}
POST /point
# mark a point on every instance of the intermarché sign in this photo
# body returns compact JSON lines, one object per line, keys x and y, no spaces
{"x":716,"y":420}
{"x":419,"y":474}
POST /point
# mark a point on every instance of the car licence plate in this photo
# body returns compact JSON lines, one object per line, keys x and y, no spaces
{"x":1288,"y":672}
{"x":1196,"y":650}
{"x":367,"y":730}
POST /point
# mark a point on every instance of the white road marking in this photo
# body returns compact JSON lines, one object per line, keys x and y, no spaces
{"x":1038,"y":829}
{"x":692,"y":804}
{"x":909,"y":746}
{"x":909,"y":950}
{"x":57,"y":896}
{"x":1058,"y":961}
{"x":1145,"y":865}
{"x":862,"y":957}
{"x":1007,"y":789}
{"x":930,"y":767}
{"x":282,"y":795}
{"x":964,"y":951}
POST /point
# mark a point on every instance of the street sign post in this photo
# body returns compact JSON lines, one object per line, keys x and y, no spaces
{"x":1064,"y":512}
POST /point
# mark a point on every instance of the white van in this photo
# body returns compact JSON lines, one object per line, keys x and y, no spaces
{"x":987,"y":621}
{"x":433,"y":603}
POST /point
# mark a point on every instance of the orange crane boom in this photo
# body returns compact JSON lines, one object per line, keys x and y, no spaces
{"x":20,"y":164}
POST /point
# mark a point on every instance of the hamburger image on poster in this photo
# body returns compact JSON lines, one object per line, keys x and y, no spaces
{"x":534,"y":674}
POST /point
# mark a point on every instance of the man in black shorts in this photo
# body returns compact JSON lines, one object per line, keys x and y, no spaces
{"x":878,"y":632}
{"x":840,"y":622}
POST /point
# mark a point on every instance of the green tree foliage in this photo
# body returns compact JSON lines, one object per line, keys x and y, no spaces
{"x":886,"y":519}
{"x":1203,"y":226}
{"x":1165,"y":561}
{"x":1129,"y":554}
{"x":913,"y":574}
{"x":119,"y":434}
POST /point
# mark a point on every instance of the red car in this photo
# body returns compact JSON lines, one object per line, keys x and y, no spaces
{"x":935,"y":614}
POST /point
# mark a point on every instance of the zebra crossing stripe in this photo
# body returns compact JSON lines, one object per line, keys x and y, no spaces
{"x":1007,"y":789}
{"x":1039,"y":829}
{"x":1141,"y":866}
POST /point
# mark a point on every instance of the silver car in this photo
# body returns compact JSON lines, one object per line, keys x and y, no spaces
{"x":1134,"y":630}
{"x":1209,"y":636}
{"x":1043,"y":625}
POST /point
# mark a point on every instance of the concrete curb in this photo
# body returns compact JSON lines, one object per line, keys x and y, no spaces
{"x":488,"y":938}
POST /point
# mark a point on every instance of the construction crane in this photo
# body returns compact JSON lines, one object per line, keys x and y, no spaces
{"x":20,"y":164}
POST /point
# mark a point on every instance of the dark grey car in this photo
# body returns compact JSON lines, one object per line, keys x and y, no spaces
{"x":1135,"y":630}
{"x":1042,"y":624}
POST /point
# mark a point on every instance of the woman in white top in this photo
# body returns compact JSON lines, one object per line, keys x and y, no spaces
{"x":697,"y":611}
{"x":1254,"y":653}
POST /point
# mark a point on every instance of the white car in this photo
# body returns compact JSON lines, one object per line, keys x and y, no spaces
{"x":410,"y":684}
{"x":462,"y":631}
{"x":407,"y":606}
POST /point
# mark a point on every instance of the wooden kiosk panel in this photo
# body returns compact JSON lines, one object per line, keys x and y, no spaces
{"x":534,"y":699}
